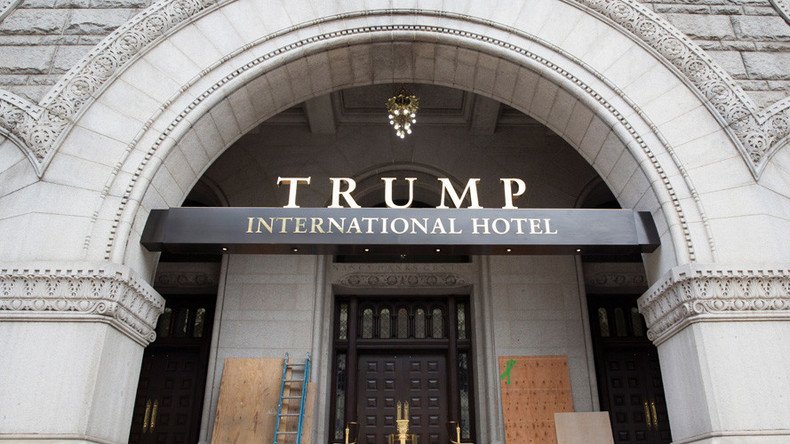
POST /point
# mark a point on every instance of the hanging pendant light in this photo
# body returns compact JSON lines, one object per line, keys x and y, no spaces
{"x":402,"y":110}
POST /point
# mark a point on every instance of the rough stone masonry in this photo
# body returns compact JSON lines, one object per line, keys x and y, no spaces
{"x":41,"y":39}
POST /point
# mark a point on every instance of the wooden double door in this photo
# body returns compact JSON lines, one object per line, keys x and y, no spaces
{"x":417,"y":379}
{"x":402,"y":350}
{"x":169,"y":398}
{"x":629,"y":374}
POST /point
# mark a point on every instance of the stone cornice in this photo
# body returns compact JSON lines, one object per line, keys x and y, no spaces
{"x":697,"y":293}
{"x":757,"y":134}
{"x":80,"y":292}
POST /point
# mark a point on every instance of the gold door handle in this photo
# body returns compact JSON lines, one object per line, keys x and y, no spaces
{"x":147,"y":415}
{"x":153,"y":415}
{"x":655,"y":416}
{"x":647,"y":414}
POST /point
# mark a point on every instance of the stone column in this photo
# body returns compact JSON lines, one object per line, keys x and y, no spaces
{"x":723,"y":337}
{"x":71,"y":345}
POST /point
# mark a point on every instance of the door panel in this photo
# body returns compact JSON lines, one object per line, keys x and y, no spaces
{"x":173,"y":374}
{"x":629,"y":375}
{"x":628,"y":397}
{"x":384,"y":380}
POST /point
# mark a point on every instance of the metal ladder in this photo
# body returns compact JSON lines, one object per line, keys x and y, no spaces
{"x":280,"y":435}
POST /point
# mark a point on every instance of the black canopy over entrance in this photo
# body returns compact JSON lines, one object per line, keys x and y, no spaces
{"x":393,"y":231}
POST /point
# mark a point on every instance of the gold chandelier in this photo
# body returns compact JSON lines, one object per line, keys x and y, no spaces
{"x":403,"y":112}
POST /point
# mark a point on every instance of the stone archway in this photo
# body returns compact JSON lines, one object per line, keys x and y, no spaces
{"x":141,"y":135}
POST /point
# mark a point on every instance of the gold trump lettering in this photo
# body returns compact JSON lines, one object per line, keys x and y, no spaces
{"x":342,"y":187}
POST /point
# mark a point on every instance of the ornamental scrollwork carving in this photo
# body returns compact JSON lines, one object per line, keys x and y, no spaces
{"x":197,"y":279}
{"x":609,"y":279}
{"x":38,"y":133}
{"x":757,"y":134}
{"x":402,"y":280}
{"x":693,"y":293}
{"x":107,"y":293}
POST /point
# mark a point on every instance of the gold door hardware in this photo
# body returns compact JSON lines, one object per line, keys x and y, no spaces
{"x":655,"y":416}
{"x":351,"y":429}
{"x":153,"y":414}
{"x":651,"y":417}
{"x":455,"y":431}
{"x":402,"y":420}
{"x":147,"y":415}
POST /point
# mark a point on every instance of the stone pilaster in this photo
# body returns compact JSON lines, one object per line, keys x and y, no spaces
{"x":722,"y":335}
{"x":71,"y":340}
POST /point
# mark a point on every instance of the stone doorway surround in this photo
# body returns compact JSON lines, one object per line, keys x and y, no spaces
{"x":132,"y":127}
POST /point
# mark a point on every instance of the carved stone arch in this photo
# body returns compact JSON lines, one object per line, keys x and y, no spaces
{"x":586,"y":79}
{"x":578,"y":89}
{"x":39,"y":131}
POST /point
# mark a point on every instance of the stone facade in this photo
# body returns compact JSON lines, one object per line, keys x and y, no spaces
{"x":42,"y":39}
{"x":654,"y":100}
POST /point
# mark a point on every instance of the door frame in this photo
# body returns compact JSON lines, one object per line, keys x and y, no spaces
{"x":449,"y":344}
{"x":630,"y":342}
{"x":172,"y":343}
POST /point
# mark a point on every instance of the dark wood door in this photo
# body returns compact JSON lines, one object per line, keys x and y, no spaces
{"x":164,"y":409}
{"x":635,"y":395}
{"x":629,"y":374}
{"x":172,"y":378}
{"x":385,"y":380}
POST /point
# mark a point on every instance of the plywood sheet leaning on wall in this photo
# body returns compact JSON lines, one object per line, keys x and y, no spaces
{"x":533,"y":389}
{"x":248,"y":395}
{"x":583,"y":428}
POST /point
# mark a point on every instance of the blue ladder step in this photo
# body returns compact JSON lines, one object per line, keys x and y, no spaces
{"x":303,"y":382}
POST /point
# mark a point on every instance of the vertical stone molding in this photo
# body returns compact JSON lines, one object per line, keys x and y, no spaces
{"x":107,"y":293}
{"x":696,"y":293}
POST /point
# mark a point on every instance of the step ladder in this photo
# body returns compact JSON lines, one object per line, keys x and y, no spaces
{"x":292,"y":402}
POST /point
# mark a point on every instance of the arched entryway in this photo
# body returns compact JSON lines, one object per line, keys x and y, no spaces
{"x":160,"y":120}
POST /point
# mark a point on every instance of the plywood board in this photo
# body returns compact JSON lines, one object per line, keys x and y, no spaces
{"x":248,"y":395}
{"x":538,"y":387}
{"x":583,"y":428}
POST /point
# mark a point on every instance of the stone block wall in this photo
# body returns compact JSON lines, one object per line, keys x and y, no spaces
{"x":42,"y":39}
{"x":264,"y":310}
{"x":538,"y":311}
{"x":747,"y":37}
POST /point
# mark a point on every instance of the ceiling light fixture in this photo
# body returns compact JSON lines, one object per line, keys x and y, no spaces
{"x":402,"y":110}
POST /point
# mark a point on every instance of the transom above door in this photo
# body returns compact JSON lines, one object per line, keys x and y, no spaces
{"x":402,"y":349}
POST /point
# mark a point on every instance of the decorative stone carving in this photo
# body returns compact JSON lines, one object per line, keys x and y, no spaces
{"x":613,"y":279}
{"x":783,"y":8}
{"x":523,"y":52}
{"x":402,"y":280}
{"x":79,"y":292}
{"x":6,"y":6}
{"x":185,"y":277}
{"x":695,"y":293}
{"x":757,"y":134}
{"x":401,"y":275}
